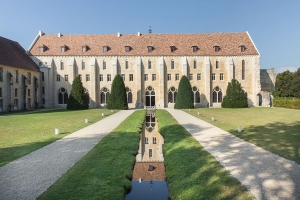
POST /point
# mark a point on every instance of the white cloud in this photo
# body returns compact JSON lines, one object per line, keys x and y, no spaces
{"x":282,"y":69}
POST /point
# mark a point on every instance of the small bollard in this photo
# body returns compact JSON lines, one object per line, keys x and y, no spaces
{"x":189,"y":110}
{"x":140,"y":180}
{"x":86,"y":121}
{"x":212,"y":119}
{"x":239,"y":129}
{"x":112,"y":111}
{"x":198,"y":113}
{"x":102,"y":114}
{"x":56,"y":131}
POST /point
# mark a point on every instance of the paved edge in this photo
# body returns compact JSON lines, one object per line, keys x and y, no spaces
{"x":31,"y":175}
{"x":264,"y":174}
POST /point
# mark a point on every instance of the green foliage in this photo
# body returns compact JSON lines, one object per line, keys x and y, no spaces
{"x":283,"y":84}
{"x":296,"y":84}
{"x":106,"y":170}
{"x":286,"y":103}
{"x":118,"y":98}
{"x":77,"y":99}
{"x":235,"y":97}
{"x":185,"y":96}
{"x":193,"y":173}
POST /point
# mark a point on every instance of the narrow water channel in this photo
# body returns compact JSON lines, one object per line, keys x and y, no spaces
{"x":148,"y":180}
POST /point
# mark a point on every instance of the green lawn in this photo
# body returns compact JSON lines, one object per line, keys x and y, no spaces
{"x":106,"y":171}
{"x":23,"y":133}
{"x":274,"y":129}
{"x":193,"y":173}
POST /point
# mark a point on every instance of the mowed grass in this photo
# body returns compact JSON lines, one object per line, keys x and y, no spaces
{"x":23,"y":133}
{"x":106,"y":171}
{"x":274,"y":129}
{"x":193,"y":173}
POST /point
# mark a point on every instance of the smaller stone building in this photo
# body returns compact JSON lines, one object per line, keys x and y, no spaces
{"x":267,"y":81}
{"x":19,"y":78}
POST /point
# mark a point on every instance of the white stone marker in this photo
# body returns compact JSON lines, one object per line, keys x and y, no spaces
{"x":140,"y":180}
{"x":189,"y":110}
{"x":102,"y":114}
{"x":111,"y":111}
{"x":198,"y":113}
{"x":56,"y":131}
{"x":86,"y":120}
{"x":239,"y":129}
{"x":212,"y":119}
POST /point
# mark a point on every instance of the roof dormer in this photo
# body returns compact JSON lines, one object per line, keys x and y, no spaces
{"x":217,"y":48}
{"x":42,"y":48}
{"x":63,"y":48}
{"x":105,"y":49}
{"x":127,"y":48}
{"x":150,"y":49}
{"x":195,"y":48}
{"x":243,"y":48}
{"x":84,"y":48}
{"x":173,"y":48}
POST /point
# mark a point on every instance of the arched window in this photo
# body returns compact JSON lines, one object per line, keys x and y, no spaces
{"x":196,"y":94}
{"x":62,"y":96}
{"x":243,"y":70}
{"x":172,"y":93}
{"x":104,"y":95}
{"x":129,"y":95}
{"x":150,"y":96}
{"x":217,"y":95}
{"x":149,"y":64}
{"x":87,"y":96}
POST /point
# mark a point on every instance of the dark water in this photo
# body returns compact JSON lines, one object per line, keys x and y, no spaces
{"x":158,"y":190}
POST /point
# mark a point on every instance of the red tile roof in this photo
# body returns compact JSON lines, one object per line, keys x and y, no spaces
{"x":12,"y":54}
{"x":229,"y":44}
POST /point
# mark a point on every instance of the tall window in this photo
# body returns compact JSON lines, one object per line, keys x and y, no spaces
{"x":43,"y":90}
{"x":243,"y":70}
{"x":213,"y":77}
{"x":146,"y":140}
{"x":66,"y":78}
{"x":169,"y":77}
{"x":87,"y":78}
{"x":154,"y":140}
{"x":221,"y":76}
{"x":28,"y":77}
{"x":196,"y":95}
{"x":198,"y":77}
{"x":195,"y":64}
{"x":104,"y":95}
{"x":130,"y":77}
{"x":1,"y":104}
{"x":17,"y":76}
{"x":153,"y":77}
{"x":172,"y":93}
{"x":61,"y":65}
{"x":172,"y":64}
{"x":176,"y":77}
{"x":62,"y":96}
{"x":57,"y":78}
{"x":101,"y":77}
{"x":123,"y":77}
{"x":146,"y":77}
{"x":83,"y":65}
{"x":108,"y":77}
{"x":104,"y":64}
{"x":217,"y":64}
{"x":126,"y":64}
{"x":43,"y":76}
{"x":150,"y":153}
{"x":191,"y":77}
{"x":1,"y":74}
{"x":28,"y":92}
{"x":0,"y":92}
{"x":16,"y":92}
{"x":129,"y":95}
{"x":149,"y":64}
{"x":217,"y":95}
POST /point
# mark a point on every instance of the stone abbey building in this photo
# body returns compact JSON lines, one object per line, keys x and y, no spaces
{"x":151,"y":66}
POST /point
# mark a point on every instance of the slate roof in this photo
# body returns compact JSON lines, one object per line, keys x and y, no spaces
{"x":229,"y":44}
{"x":12,"y":54}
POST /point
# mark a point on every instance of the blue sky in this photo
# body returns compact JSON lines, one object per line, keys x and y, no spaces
{"x":273,"y":25}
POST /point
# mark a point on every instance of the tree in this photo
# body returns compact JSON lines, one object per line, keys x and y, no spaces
{"x":118,"y":98}
{"x":235,"y":96}
{"x":296,"y":84}
{"x":283,"y":84}
{"x":77,"y":99}
{"x":185,"y":96}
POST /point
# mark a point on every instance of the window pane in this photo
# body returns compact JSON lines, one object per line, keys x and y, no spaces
{"x":170,"y":97}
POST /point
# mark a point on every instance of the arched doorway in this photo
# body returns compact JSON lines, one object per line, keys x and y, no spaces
{"x":150,"y":96}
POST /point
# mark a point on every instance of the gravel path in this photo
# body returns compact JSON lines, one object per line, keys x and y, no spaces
{"x":266,"y":175}
{"x":29,"y":176}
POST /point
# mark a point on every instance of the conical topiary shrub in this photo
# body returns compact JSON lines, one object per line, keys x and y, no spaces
{"x":118,"y":98}
{"x":235,"y":97}
{"x":77,"y":99}
{"x":185,"y":96}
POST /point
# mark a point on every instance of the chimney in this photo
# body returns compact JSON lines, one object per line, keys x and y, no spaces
{"x":139,"y":34}
{"x":41,"y":33}
{"x":119,"y":34}
{"x":59,"y":34}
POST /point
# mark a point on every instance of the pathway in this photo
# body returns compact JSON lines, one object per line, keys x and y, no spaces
{"x":266,"y":175}
{"x":29,"y":176}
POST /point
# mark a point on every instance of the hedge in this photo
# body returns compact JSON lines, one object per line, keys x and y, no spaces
{"x":287,"y":103}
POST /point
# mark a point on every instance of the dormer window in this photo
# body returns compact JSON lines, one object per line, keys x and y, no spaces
{"x":173,"y":48}
{"x":217,"y":48}
{"x":105,"y":49}
{"x":195,"y":48}
{"x":84,"y":48}
{"x":127,"y":48}
{"x":243,"y":48}
{"x":150,"y":49}
{"x":63,"y":48}
{"x":42,"y":48}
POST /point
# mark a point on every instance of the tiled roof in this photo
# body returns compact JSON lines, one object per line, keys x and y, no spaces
{"x":12,"y":54}
{"x":229,"y":44}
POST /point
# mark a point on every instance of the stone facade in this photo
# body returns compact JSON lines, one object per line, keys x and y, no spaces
{"x":267,"y":80}
{"x":209,"y":71}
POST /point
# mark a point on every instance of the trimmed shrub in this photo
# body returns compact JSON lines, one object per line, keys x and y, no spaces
{"x":77,"y":99}
{"x":118,"y":98}
{"x":235,"y":97}
{"x":185,"y":96}
{"x":287,"y":103}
